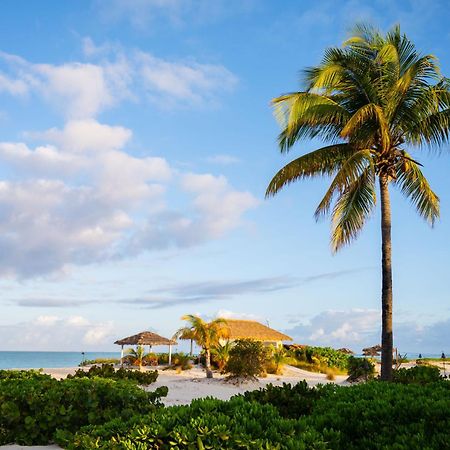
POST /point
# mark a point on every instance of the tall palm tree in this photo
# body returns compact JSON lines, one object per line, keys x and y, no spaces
{"x":206,"y":334}
{"x":372,"y":101}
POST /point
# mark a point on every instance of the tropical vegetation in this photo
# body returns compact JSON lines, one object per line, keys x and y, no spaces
{"x":206,"y":334}
{"x":373,"y":102}
{"x":369,"y":416}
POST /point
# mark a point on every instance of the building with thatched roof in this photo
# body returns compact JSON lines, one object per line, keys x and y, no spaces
{"x":250,"y":329}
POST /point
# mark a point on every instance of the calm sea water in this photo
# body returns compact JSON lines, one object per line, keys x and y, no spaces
{"x":38,"y":360}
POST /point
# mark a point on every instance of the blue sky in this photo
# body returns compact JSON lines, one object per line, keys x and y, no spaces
{"x":136,"y":142}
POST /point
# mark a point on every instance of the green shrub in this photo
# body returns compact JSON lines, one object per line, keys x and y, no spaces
{"x":247,"y":358}
{"x":181,"y":361}
{"x":108,"y":371}
{"x":89,"y":362}
{"x":30,"y":374}
{"x":360,"y":369}
{"x":379,"y":415}
{"x":205,"y":424}
{"x":31,"y":410}
{"x":320,"y":356}
{"x":418,"y":374}
{"x":290,"y":401}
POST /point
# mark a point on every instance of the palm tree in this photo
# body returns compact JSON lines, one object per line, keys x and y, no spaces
{"x":221,"y":354}
{"x":137,"y":355}
{"x":372,"y":101}
{"x":205,"y":334}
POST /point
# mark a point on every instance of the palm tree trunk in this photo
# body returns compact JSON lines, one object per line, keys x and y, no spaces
{"x":209,"y":373}
{"x":386,"y":293}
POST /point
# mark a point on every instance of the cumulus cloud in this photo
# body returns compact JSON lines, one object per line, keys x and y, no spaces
{"x":45,"y":332}
{"x":82,"y":90}
{"x":82,"y":199}
{"x":359,"y":328}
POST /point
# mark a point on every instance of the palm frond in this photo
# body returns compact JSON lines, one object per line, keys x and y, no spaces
{"x":324,"y":161}
{"x":352,"y":209}
{"x":416,"y":188}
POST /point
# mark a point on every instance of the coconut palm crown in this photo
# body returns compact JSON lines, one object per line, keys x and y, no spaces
{"x":206,"y":334}
{"x":373,"y":101}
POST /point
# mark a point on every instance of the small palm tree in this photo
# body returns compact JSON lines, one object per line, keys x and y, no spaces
{"x":221,"y":354}
{"x":205,"y":334}
{"x":279,"y":358}
{"x":137,"y":355}
{"x":372,"y":102}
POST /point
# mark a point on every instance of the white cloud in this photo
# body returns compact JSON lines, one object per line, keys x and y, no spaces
{"x":82,"y":90}
{"x":73,"y":333}
{"x":359,"y":328}
{"x":183,"y":82}
{"x":14,"y":87}
{"x":82,"y":199}
{"x":226,"y":314}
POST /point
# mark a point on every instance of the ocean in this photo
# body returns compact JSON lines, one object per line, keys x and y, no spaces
{"x":46,"y":360}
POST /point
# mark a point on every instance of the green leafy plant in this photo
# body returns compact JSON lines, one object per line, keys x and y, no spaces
{"x":89,"y":362}
{"x":108,"y":371}
{"x":29,"y":374}
{"x":360,"y":369}
{"x":221,"y":354}
{"x":247,"y":359}
{"x":32,"y":410}
{"x":418,"y":375}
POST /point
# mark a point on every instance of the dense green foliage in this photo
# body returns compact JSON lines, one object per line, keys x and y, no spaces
{"x":247,"y":358}
{"x":418,"y":375}
{"x":291,"y":401}
{"x":32,"y":410}
{"x":368,"y":416}
{"x":318,"y":359}
{"x":360,"y":369}
{"x":30,"y":374}
{"x":206,"y":424}
{"x":89,"y":362}
{"x":108,"y":371}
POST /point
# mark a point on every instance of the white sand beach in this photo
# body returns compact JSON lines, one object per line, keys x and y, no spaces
{"x":192,"y":384}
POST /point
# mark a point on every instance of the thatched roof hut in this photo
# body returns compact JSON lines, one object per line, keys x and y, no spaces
{"x":347,"y":351}
{"x":145,"y":338}
{"x":250,"y":329}
{"x":372,"y":351}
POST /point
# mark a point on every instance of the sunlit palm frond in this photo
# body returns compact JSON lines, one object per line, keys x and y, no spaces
{"x":352,"y":209}
{"x":416,"y":188}
{"x":348,"y":174}
{"x":324,"y":161}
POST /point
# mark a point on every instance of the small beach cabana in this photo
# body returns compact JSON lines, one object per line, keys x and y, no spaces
{"x":146,"y":338}
{"x":250,"y":329}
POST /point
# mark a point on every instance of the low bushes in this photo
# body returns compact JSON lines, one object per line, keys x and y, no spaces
{"x":33,"y":410}
{"x":205,"y":424}
{"x":89,"y":362}
{"x":108,"y":371}
{"x":369,"y":416}
{"x":319,"y":359}
{"x":30,"y":374}
{"x":360,"y":369}
{"x":418,"y":375}
{"x":247,"y":359}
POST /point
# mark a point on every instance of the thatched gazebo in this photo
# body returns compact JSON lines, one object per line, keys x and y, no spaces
{"x":146,"y":338}
{"x":372,"y":351}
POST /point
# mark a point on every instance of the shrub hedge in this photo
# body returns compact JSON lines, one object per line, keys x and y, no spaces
{"x":32,"y":410}
{"x":108,"y":371}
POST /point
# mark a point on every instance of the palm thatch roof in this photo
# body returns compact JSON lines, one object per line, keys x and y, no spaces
{"x":249,"y":329}
{"x":145,"y":338}
{"x":372,"y":351}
